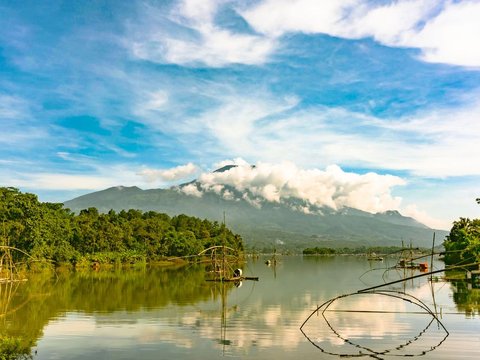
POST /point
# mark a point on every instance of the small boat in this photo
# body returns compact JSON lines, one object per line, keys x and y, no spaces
{"x":409,"y":264}
{"x":237,"y":276}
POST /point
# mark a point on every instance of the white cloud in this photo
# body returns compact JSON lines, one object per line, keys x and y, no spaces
{"x":237,"y":161}
{"x":200,"y":40}
{"x":445,"y":31}
{"x":282,"y":182}
{"x":228,"y":195}
{"x":153,"y":101}
{"x":198,"y":11}
{"x":276,"y":17}
{"x":451,"y":37}
{"x":192,"y":190}
{"x":391,"y":24}
{"x":218,"y":47}
{"x":173,"y":174}
{"x":236,"y":120}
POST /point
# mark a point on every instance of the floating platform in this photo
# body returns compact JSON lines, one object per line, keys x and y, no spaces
{"x":375,"y":258}
{"x":235,"y":279}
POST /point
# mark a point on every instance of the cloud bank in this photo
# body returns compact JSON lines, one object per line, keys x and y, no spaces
{"x":287,"y":183}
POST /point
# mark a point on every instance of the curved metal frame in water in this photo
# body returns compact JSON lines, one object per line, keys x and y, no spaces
{"x":368,"y":351}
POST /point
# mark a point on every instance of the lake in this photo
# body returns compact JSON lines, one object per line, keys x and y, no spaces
{"x":174,"y":313}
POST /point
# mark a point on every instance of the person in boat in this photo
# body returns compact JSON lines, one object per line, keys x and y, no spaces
{"x":237,"y":273}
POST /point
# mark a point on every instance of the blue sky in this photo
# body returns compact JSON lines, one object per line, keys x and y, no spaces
{"x":385,"y":94}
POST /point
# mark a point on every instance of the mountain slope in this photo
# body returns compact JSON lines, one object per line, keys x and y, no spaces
{"x":272,"y":224}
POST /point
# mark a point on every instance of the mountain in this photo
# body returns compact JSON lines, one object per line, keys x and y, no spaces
{"x":289,"y":225}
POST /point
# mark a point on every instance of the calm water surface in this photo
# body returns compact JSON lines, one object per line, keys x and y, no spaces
{"x":160,"y":313}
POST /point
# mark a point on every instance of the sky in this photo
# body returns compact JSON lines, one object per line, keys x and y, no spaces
{"x":361,"y":103}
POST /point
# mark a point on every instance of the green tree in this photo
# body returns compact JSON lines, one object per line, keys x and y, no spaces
{"x":462,"y":245}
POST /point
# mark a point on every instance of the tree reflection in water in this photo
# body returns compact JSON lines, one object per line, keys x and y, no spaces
{"x":26,"y":308}
{"x":466,"y":297}
{"x":12,"y":346}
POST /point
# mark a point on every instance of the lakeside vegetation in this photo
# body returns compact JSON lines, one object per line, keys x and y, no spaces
{"x":361,"y":250}
{"x":48,"y":232}
{"x":462,"y":245}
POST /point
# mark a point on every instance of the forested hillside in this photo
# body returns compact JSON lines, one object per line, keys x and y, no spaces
{"x":48,"y":231}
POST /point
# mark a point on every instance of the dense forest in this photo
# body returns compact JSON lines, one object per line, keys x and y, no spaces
{"x":48,"y":231}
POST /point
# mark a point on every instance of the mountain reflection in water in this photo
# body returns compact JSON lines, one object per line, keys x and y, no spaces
{"x":174,"y":313}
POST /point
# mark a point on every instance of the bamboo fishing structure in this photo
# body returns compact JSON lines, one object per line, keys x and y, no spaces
{"x":223,"y":262}
{"x":407,"y":263}
{"x":8,"y":268}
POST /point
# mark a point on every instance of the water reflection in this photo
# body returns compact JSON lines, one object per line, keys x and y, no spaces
{"x":27,"y":308}
{"x":374,"y":324}
{"x":177,"y":313}
{"x":466,"y":297}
